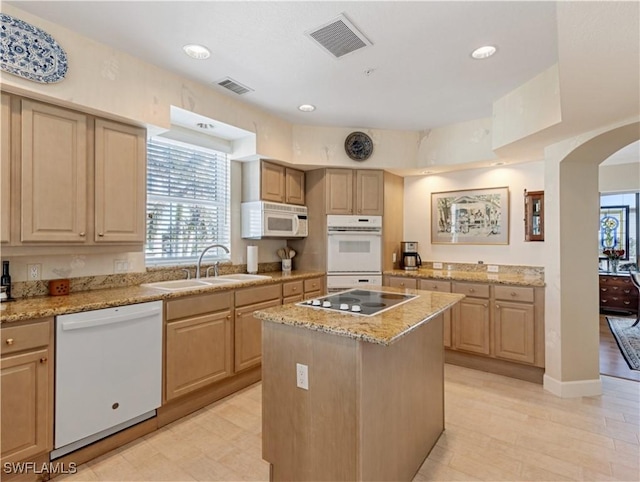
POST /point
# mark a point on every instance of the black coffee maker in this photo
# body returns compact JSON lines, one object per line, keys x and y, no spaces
{"x":410,"y":259}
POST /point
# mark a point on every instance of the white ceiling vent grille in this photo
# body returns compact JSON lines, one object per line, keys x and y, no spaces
{"x":233,"y":86}
{"x":339,"y":37}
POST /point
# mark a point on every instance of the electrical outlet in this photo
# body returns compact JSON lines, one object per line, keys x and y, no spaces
{"x":302,"y":376}
{"x":120,"y":266}
{"x":437,"y":265}
{"x":34,"y":271}
{"x":394,"y":257}
{"x":492,"y":268}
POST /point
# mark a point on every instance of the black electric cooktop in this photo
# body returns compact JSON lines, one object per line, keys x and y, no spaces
{"x":358,"y":302}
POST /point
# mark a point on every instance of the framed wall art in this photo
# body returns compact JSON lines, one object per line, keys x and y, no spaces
{"x":614,"y":230}
{"x":472,"y":216}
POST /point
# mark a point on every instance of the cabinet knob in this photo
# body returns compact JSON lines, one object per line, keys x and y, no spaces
{"x":9,"y":341}
{"x":228,"y":317}
{"x":43,"y":360}
{"x":471,"y":290}
{"x":101,"y":235}
{"x":402,"y":284}
{"x":82,"y":234}
{"x":513,"y":293}
{"x":239,"y":314}
{"x":295,"y":288}
{"x":497,"y":306}
{"x":485,"y":305}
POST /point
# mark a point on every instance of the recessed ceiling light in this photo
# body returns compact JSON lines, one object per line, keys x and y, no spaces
{"x":307,"y":107}
{"x":483,"y":52}
{"x":426,"y":172}
{"x":498,"y":163}
{"x":196,"y":51}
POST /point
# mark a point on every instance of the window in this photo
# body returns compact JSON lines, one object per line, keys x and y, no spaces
{"x":188,"y":202}
{"x":623,"y":209}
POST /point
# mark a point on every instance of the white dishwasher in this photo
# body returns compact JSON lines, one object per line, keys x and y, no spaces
{"x":108,"y":372}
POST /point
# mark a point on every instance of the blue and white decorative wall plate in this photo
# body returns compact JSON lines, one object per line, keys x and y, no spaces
{"x":30,"y":52}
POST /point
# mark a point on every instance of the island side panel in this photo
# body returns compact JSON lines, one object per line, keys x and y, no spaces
{"x":309,"y":434}
{"x":401,"y":403}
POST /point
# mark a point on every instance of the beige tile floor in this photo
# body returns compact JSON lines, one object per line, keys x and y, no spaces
{"x":497,"y":428}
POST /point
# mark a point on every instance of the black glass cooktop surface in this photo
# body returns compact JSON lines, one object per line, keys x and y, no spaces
{"x":358,"y":302}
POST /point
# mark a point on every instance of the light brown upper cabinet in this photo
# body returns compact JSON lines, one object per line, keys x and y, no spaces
{"x":268,"y":181}
{"x":359,"y":192}
{"x":77,"y":180}
{"x":533,"y":215}
{"x":5,"y":169}
{"x":120,"y":181}
{"x":54,"y":174}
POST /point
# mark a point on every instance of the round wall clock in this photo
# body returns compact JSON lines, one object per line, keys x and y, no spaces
{"x":358,"y":146}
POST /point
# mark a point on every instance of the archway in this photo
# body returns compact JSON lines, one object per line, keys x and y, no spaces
{"x":571,"y":209}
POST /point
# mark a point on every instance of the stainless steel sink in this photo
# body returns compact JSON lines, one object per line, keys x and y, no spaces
{"x":185,"y":284}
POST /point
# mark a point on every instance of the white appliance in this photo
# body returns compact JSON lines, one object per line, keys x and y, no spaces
{"x":108,"y":372}
{"x":261,"y":219}
{"x":354,"y":251}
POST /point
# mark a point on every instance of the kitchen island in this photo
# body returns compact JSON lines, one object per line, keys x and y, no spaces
{"x":374,"y":407}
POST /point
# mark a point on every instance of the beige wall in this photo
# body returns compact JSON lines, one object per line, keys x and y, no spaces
{"x":417,"y":214}
{"x":619,"y":177}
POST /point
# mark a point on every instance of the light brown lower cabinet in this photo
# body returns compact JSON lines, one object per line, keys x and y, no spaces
{"x":441,"y":287}
{"x":314,"y":287}
{"x":248,"y":328}
{"x":198,"y":342}
{"x":504,"y":322}
{"x":26,"y":378}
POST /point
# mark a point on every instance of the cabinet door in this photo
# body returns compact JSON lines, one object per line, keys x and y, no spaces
{"x":5,"y":169}
{"x":198,"y":353}
{"x":514,"y":331}
{"x":248,"y":335}
{"x":54,"y":174}
{"x":272,"y":182}
{"x":120,"y":182}
{"x":26,"y":423}
{"x":471,"y":328}
{"x":442,"y":287}
{"x":339,"y":194}
{"x":369,"y":192}
{"x":294,"y":188}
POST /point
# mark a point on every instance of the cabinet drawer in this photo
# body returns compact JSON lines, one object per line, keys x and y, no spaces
{"x":313,"y":284}
{"x":198,"y":304}
{"x":24,"y":337}
{"x":292,"y":288}
{"x":514,"y":293}
{"x":402,"y":282}
{"x":259,"y":294}
{"x":476,"y":290}
{"x":435,"y":285}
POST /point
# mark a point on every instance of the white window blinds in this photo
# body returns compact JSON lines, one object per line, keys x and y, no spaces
{"x":188,"y":202}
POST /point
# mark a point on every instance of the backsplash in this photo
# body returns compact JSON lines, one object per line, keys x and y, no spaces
{"x":27,"y":289}
{"x":537,"y":271}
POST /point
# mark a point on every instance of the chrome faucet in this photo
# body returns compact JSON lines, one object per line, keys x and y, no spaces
{"x":202,"y":255}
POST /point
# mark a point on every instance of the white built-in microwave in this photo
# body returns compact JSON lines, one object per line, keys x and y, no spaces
{"x":261,"y":219}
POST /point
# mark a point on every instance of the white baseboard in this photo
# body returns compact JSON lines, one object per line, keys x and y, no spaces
{"x":580,"y":388}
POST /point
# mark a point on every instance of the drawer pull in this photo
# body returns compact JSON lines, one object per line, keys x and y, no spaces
{"x":239,"y":314}
{"x":228,"y":317}
{"x":471,"y":290}
{"x":497,"y":306}
{"x":82,"y":234}
{"x":43,"y":360}
{"x":513,"y":293}
{"x":295,"y":288}
{"x":627,"y":302}
{"x":101,"y":235}
{"x":9,"y":341}
{"x":435,"y":287}
{"x":485,"y":305}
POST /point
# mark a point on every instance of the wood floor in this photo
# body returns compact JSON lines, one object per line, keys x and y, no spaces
{"x":611,"y":360}
{"x":497,"y":428}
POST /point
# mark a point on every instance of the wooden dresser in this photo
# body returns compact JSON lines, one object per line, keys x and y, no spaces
{"x":617,"y":293}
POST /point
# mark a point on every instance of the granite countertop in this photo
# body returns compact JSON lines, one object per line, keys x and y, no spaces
{"x":383,"y":329}
{"x":43,"y":306}
{"x":513,"y":278}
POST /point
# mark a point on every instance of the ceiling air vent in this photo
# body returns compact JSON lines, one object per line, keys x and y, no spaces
{"x":339,"y":37}
{"x":234,"y":86}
